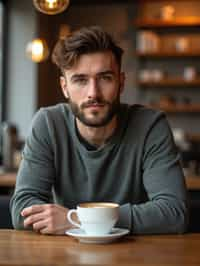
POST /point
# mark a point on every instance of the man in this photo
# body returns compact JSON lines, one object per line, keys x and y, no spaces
{"x":96,"y":149}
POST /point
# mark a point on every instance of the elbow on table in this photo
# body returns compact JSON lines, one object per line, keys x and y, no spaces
{"x":182,"y":227}
{"x":17,"y":221}
{"x":182,"y":221}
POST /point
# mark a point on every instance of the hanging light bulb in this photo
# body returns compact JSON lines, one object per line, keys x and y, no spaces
{"x":51,"y":7}
{"x":37,"y":50}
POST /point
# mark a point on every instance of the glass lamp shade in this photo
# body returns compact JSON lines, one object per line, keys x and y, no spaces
{"x":51,"y":7}
{"x":37,"y":50}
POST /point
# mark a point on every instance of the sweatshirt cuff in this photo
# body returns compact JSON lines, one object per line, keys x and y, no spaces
{"x":125,"y":217}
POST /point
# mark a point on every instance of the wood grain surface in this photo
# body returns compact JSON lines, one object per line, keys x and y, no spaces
{"x":29,"y":248}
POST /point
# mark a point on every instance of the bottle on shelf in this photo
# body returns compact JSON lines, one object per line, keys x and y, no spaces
{"x":9,"y":139}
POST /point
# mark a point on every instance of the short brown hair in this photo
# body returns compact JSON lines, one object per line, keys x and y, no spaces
{"x":84,"y":41}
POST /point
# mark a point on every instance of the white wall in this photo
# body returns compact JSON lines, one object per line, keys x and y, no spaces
{"x":21,"y":79}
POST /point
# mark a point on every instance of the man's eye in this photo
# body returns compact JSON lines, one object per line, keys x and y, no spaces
{"x":107,"y":78}
{"x":81,"y":81}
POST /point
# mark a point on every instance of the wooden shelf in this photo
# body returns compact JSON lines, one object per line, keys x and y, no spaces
{"x":193,"y":137}
{"x":158,"y":23}
{"x":193,"y":182}
{"x":178,"y":108}
{"x":160,"y":54}
{"x":176,"y":82}
{"x":7,"y":179}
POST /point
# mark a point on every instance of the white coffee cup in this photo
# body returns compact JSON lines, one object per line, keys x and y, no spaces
{"x":96,"y":218}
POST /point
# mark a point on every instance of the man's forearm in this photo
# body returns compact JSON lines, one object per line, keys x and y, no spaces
{"x":17,"y":204}
{"x":154,"y":217}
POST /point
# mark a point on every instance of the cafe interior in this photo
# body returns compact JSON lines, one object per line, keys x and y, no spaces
{"x":161,"y":60}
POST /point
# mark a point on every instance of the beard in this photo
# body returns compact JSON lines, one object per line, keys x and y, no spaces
{"x":98,"y":118}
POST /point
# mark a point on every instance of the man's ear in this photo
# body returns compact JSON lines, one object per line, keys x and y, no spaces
{"x":122,"y":81}
{"x":63,"y":85}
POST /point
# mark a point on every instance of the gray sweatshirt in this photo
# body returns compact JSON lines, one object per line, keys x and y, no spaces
{"x":138,"y":168}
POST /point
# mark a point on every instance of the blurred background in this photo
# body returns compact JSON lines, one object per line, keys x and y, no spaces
{"x":161,"y":61}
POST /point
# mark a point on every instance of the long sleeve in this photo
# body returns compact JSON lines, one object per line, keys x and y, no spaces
{"x":166,"y":208}
{"x":140,"y":160}
{"x":36,"y":173}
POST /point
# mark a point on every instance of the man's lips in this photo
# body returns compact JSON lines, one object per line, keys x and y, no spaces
{"x":94,"y":105}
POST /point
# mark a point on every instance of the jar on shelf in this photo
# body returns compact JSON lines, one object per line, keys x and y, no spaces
{"x":9,"y":139}
{"x":189,"y":73}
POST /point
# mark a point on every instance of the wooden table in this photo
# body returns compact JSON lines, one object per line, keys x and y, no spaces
{"x":29,"y":248}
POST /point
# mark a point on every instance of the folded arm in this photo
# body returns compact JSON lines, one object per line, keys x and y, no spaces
{"x":166,"y":210}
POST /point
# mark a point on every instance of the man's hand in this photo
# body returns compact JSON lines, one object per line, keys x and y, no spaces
{"x":47,"y":218}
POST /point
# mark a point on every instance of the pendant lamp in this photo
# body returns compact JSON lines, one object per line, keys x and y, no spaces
{"x":37,"y":50}
{"x":51,"y":7}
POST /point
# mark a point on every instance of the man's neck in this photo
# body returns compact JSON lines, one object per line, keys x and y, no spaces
{"x":97,"y":136}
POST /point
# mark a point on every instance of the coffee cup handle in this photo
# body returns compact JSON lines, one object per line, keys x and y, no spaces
{"x":70,"y":219}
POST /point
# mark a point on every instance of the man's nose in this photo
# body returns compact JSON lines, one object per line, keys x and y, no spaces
{"x":93,"y":89}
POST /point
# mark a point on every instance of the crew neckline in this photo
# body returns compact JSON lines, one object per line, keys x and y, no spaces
{"x":111,"y":141}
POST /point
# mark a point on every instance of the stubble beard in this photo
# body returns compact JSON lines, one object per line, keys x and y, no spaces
{"x":112,"y":110}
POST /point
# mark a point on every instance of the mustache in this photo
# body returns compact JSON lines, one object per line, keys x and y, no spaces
{"x":94,"y":101}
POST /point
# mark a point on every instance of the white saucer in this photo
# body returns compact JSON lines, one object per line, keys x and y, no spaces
{"x":83,"y":238}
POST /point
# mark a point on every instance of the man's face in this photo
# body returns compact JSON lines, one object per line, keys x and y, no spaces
{"x":93,"y":87}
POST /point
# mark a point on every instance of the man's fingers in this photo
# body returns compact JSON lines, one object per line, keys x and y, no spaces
{"x":39,"y":225}
{"x":32,"y":210}
{"x":48,"y":228}
{"x":46,"y":218}
{"x":33,"y":219}
{"x":45,"y":231}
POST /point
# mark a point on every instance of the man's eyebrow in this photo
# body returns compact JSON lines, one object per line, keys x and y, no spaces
{"x":107,"y":72}
{"x":77,"y":76}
